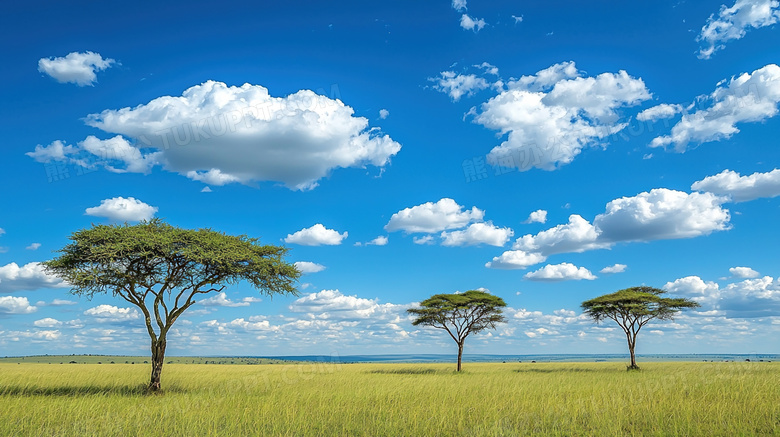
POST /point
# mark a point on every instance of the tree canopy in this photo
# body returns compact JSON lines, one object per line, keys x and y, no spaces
{"x":162,"y":269}
{"x":632,"y":308}
{"x":460,"y":314}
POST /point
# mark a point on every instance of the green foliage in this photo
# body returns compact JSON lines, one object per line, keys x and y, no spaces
{"x":117,"y":258}
{"x":635,"y":304}
{"x":632,"y":308}
{"x":460,"y":314}
{"x":162,"y":269}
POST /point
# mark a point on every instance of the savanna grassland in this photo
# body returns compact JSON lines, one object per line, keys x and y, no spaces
{"x":316,"y":399}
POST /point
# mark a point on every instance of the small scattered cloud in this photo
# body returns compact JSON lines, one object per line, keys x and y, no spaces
{"x":733,"y":23}
{"x":615,"y":268}
{"x":110,"y":313}
{"x":515,"y":259}
{"x":316,"y":235}
{"x":741,"y":188}
{"x":33,"y":246}
{"x":458,"y":85}
{"x":221,"y":300}
{"x":538,"y":216}
{"x":120,"y":209}
{"x":383,"y":114}
{"x":560,"y":272}
{"x":517,"y":18}
{"x":659,"y":112}
{"x":743,"y":272}
{"x":75,"y":67}
{"x":424,"y":240}
{"x":747,"y":98}
{"x":206,"y":190}
{"x":309,"y":267}
{"x":472,"y":23}
{"x":432,"y":217}
{"x":476,"y":234}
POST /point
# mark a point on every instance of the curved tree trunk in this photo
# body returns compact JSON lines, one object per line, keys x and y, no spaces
{"x":158,"y":358}
{"x":460,"y":354}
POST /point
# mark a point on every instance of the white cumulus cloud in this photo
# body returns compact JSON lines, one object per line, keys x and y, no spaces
{"x":560,"y":272}
{"x":578,"y":235}
{"x":221,"y":300}
{"x":477,"y":233}
{"x":549,"y":117}
{"x":515,"y":259}
{"x":309,"y":267}
{"x":732,"y":23}
{"x":659,"y":112}
{"x":316,"y":235}
{"x":47,"y":322}
{"x":30,"y":276}
{"x":458,"y":85}
{"x":747,"y":98}
{"x":75,"y":67}
{"x":33,"y":246}
{"x":743,"y":272}
{"x":123,"y":209}
{"x":248,"y":135}
{"x":741,"y":188}
{"x":432,"y":217}
{"x":110,"y":313}
{"x":472,"y":23}
{"x":16,"y":305}
{"x":538,"y":216}
{"x":615,"y":268}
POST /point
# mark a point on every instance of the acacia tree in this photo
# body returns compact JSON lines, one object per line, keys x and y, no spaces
{"x":632,"y":308}
{"x":460,"y":314}
{"x":162,"y":270}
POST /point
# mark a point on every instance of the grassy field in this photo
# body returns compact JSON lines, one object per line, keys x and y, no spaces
{"x":315,"y":399}
{"x":124,"y":359}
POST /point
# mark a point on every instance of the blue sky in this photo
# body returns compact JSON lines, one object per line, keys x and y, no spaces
{"x":548,"y":152}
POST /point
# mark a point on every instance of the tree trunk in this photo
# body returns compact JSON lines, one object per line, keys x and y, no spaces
{"x":631,"y":344}
{"x":158,"y":358}
{"x":460,"y":354}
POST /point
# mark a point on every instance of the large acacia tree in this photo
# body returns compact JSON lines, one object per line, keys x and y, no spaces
{"x":163,"y":270}
{"x":460,"y":314}
{"x":632,"y":308}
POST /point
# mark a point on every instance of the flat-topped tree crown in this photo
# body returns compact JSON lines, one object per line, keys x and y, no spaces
{"x":460,"y":314}
{"x":632,"y":308}
{"x":161,"y":269}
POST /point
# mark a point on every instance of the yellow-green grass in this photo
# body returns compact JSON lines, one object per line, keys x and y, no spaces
{"x":316,"y":399}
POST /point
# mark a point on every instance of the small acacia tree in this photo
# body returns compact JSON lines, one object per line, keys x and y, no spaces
{"x":162,"y":270}
{"x":460,"y":314}
{"x":632,"y":308}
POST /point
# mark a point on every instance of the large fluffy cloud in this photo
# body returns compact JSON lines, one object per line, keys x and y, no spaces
{"x":659,"y":214}
{"x":733,"y":22}
{"x":750,"y":298}
{"x":75,"y":67}
{"x":560,"y":272}
{"x":316,"y":235}
{"x":247,"y":135}
{"x":749,"y":97}
{"x":15,"y":305}
{"x":741,"y":188}
{"x":576,"y":236}
{"x":551,"y":116}
{"x":123,"y":209}
{"x":662,"y":214}
{"x":335,"y":305}
{"x":433,"y":217}
{"x":30,"y":276}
